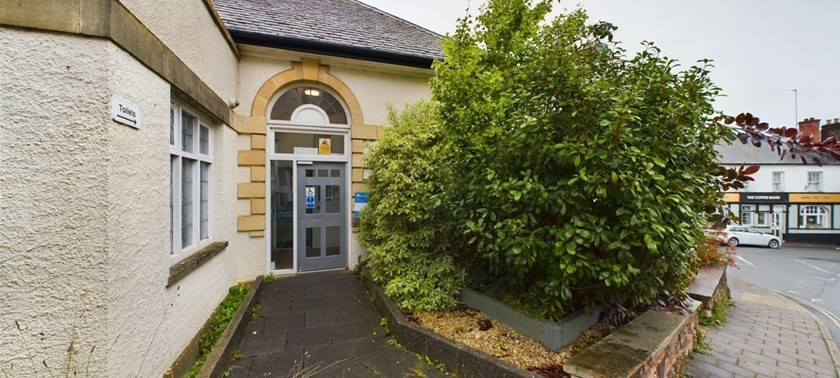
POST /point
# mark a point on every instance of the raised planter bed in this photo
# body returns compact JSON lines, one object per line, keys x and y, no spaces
{"x":553,"y":335}
{"x":652,"y":345}
{"x":458,"y":358}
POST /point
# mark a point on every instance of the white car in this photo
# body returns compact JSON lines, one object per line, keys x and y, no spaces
{"x":737,"y":235}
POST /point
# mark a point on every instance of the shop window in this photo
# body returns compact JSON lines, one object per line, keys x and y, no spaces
{"x":778,"y":181}
{"x":190,"y":170}
{"x":814,"y":216}
{"x":814,"y":182}
{"x":747,"y":214}
{"x":762,"y":219}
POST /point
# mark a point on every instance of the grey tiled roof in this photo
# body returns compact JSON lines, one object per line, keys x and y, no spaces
{"x":341,"y":25}
{"x":738,"y":153}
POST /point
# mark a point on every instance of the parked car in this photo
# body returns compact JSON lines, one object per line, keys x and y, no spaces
{"x":737,"y":235}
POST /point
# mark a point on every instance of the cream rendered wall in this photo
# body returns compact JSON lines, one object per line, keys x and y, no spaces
{"x":253,"y":73}
{"x":148,"y":323}
{"x":374,"y":89}
{"x":54,"y":205}
{"x":84,"y":214}
{"x":377,"y":90}
{"x":188,"y":29}
{"x":795,"y":177}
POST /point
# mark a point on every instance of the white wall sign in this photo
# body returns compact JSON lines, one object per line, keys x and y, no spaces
{"x":125,"y":112}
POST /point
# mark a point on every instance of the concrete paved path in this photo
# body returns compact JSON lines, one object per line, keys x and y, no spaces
{"x":766,"y":335}
{"x":321,"y":325}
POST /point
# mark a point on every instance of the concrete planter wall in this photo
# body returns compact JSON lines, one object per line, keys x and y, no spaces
{"x":458,"y":358}
{"x":553,"y":335}
{"x":709,"y":286}
{"x":650,"y":346}
{"x":653,"y":344}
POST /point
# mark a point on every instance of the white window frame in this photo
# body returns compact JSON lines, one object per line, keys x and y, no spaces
{"x":762,"y":219}
{"x":778,"y":181}
{"x":814,"y":182}
{"x":177,"y":155}
{"x":823,"y":214}
{"x":747,"y":215}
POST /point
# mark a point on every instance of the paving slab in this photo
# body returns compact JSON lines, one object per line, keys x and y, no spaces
{"x":766,"y":335}
{"x":320,"y":325}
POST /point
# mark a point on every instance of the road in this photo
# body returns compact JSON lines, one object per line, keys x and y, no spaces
{"x":809,"y":276}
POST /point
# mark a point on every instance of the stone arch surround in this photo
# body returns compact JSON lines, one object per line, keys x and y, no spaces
{"x":308,"y":71}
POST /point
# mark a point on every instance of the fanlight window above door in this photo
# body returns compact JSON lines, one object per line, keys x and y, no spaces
{"x":309,"y":106}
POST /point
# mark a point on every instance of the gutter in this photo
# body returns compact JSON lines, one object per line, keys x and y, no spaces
{"x":331,"y":49}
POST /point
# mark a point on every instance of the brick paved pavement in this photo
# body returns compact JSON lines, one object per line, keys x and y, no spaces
{"x":766,"y":335}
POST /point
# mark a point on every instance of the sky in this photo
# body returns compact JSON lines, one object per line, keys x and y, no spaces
{"x":762,"y":49}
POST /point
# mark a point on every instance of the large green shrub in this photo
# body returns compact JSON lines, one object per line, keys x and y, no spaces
{"x":578,"y":175}
{"x":405,"y":233}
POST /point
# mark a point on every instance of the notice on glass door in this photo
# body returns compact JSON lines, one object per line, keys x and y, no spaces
{"x":324,"y":146}
{"x":310,"y":197}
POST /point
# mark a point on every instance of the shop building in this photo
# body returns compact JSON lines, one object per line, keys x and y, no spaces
{"x":155,"y":153}
{"x":799,"y":203}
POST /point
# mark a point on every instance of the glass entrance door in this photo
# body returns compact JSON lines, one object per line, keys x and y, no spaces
{"x":282,"y":198}
{"x":777,"y":223}
{"x":322,"y":216}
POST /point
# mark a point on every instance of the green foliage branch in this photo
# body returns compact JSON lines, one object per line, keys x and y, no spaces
{"x":556,"y":169}
{"x":404,"y":227}
{"x":578,"y":175}
{"x":208,"y":339}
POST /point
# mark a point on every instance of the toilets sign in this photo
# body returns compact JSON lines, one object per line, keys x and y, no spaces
{"x":125,"y":112}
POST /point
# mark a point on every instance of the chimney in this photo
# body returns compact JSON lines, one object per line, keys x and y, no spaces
{"x":831,"y":127}
{"x":811,"y":126}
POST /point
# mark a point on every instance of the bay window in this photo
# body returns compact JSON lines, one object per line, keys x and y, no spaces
{"x":814,"y":216}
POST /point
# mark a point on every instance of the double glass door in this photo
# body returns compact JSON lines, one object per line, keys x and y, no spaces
{"x":318,"y":240}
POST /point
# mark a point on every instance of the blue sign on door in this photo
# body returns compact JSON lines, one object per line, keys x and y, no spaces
{"x":310,"y":197}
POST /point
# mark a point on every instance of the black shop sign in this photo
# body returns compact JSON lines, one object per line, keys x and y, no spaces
{"x":764,"y":197}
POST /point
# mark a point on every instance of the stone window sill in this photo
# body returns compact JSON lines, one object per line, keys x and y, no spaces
{"x":184,"y":267}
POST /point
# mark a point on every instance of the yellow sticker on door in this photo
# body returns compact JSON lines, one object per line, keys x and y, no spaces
{"x":324,"y":146}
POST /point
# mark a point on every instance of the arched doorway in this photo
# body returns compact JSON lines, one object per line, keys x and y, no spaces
{"x":308,"y":147}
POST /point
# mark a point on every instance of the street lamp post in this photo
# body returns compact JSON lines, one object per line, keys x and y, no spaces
{"x":796,"y":108}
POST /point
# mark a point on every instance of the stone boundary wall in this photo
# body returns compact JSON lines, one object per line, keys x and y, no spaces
{"x":652,"y":345}
{"x":709,"y":286}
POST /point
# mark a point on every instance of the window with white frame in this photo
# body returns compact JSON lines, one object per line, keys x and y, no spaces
{"x":747,"y":214}
{"x":190,"y":170}
{"x":778,"y":181}
{"x":814,"y":216}
{"x":762,"y":219}
{"x":814,"y":182}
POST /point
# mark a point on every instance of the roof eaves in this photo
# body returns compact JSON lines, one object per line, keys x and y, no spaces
{"x":331,"y":49}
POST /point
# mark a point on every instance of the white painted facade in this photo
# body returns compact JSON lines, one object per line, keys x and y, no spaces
{"x":85,"y":201}
{"x":797,"y":202}
{"x":794,"y":178}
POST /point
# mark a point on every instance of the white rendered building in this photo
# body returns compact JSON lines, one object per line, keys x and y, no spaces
{"x":154,"y":153}
{"x":798,"y":202}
